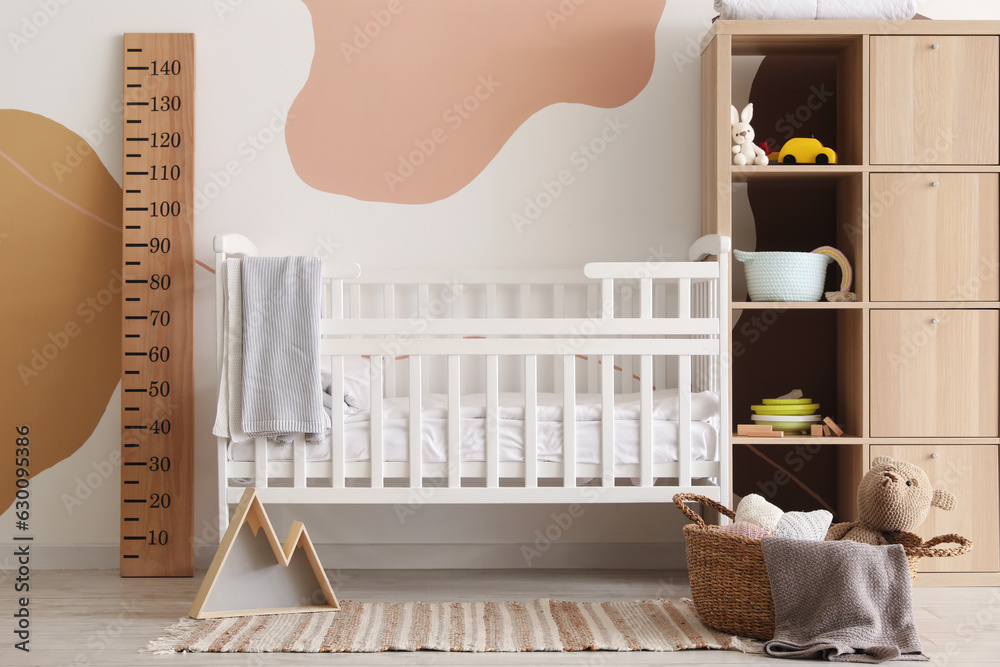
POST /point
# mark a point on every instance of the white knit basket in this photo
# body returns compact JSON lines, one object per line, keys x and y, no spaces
{"x":784,"y":276}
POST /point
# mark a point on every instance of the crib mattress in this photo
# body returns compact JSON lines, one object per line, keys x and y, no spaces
{"x":511,"y":425}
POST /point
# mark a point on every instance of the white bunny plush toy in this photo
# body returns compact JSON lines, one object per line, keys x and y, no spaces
{"x":745,"y":151}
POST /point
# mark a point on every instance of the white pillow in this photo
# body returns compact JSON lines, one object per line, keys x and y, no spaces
{"x":758,"y":511}
{"x":357,"y":384}
{"x":804,"y":525}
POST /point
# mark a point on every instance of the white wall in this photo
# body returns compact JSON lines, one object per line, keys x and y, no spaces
{"x":642,"y":193}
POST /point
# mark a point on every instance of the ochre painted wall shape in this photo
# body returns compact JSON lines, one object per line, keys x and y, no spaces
{"x":407,"y":101}
{"x":60,"y":306}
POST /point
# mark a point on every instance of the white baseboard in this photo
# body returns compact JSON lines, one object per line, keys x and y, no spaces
{"x":660,"y":556}
{"x":65,"y":557}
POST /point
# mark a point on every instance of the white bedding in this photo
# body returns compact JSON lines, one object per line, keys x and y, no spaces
{"x":874,"y":10}
{"x":434,"y":430}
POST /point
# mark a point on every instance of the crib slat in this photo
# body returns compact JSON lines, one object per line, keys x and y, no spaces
{"x":558,"y":311}
{"x":377,"y":432}
{"x":260,"y":463}
{"x":684,"y":419}
{"x":646,"y":298}
{"x":337,"y":298}
{"x":324,"y":301}
{"x":355,"y":302}
{"x":684,"y":389}
{"x":492,"y":422}
{"x":423,"y":299}
{"x":607,"y":298}
{"x":607,"y":420}
{"x":646,"y":422}
{"x":646,"y":392}
{"x":659,"y":311}
{"x":569,"y":420}
{"x":593,"y":311}
{"x":455,"y":293}
{"x":337,"y":415}
{"x":491,"y":300}
{"x":454,"y":421}
{"x":628,"y":372}
{"x":389,"y":312}
{"x":299,"y":461}
{"x":416,"y":423}
{"x":530,"y":421}
{"x":607,"y":313}
{"x":423,"y":311}
{"x":684,"y":298}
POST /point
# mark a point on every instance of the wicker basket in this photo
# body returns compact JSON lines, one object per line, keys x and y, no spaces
{"x":728,"y":576}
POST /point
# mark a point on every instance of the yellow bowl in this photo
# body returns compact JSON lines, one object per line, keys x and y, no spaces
{"x":786,"y":401}
{"x":806,"y":409}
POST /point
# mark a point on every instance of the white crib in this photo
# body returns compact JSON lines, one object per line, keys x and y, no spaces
{"x":579,"y":340}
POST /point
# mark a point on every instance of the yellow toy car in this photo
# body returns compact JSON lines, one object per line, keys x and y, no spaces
{"x":806,"y":150}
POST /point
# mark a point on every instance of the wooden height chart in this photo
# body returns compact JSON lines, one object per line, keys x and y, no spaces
{"x":157,"y":518}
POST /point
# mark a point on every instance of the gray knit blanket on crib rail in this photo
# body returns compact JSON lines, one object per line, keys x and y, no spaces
{"x":282,"y":392}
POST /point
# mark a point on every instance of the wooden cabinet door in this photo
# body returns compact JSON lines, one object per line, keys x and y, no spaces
{"x":970,"y":473}
{"x":934,"y":373}
{"x":934,"y":99}
{"x":935,"y":237}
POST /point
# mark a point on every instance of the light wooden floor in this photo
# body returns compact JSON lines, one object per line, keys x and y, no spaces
{"x":93,"y":617}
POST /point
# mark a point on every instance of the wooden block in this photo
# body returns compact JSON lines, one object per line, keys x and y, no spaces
{"x":748,"y":429}
{"x":766,"y":434}
{"x":833,"y":427}
{"x":826,"y":430}
{"x":816,"y":429}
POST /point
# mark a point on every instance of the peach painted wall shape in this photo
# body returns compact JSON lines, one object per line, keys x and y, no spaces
{"x":60,"y":306}
{"x":407,"y":101}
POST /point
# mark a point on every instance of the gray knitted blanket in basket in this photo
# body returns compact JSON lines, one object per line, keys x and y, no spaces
{"x":842,"y":601}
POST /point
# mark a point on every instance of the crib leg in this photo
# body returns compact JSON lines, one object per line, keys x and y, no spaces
{"x":223,"y":486}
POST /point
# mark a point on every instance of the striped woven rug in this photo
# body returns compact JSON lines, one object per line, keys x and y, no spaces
{"x":539,"y":625}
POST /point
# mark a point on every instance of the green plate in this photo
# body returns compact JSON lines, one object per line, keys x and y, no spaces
{"x":786,"y":410}
{"x":786,"y":401}
{"x":788,"y":427}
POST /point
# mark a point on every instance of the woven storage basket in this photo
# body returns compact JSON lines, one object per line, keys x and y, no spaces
{"x":728,"y":576}
{"x":784,"y":276}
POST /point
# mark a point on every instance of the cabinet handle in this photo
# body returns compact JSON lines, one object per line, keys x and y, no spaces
{"x":935,"y":455}
{"x":934,"y":320}
{"x":934,"y":184}
{"x":935,"y":45}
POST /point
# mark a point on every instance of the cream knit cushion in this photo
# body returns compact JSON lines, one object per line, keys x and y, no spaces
{"x":757,"y":510}
{"x":804,"y":525}
{"x":745,"y":529}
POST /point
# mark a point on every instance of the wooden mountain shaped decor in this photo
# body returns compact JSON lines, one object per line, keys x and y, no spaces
{"x":253,"y":574}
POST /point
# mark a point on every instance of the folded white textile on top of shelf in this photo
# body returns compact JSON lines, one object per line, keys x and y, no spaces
{"x":763,"y":10}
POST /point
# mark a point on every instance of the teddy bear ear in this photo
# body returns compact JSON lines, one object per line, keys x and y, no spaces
{"x":734,"y":115}
{"x":943,"y":499}
{"x":881,"y":461}
{"x":747,"y":114}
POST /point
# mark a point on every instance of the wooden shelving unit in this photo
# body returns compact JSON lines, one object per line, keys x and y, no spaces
{"x":911,"y":369}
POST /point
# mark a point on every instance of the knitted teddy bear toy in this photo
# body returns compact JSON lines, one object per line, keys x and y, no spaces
{"x":892,"y":496}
